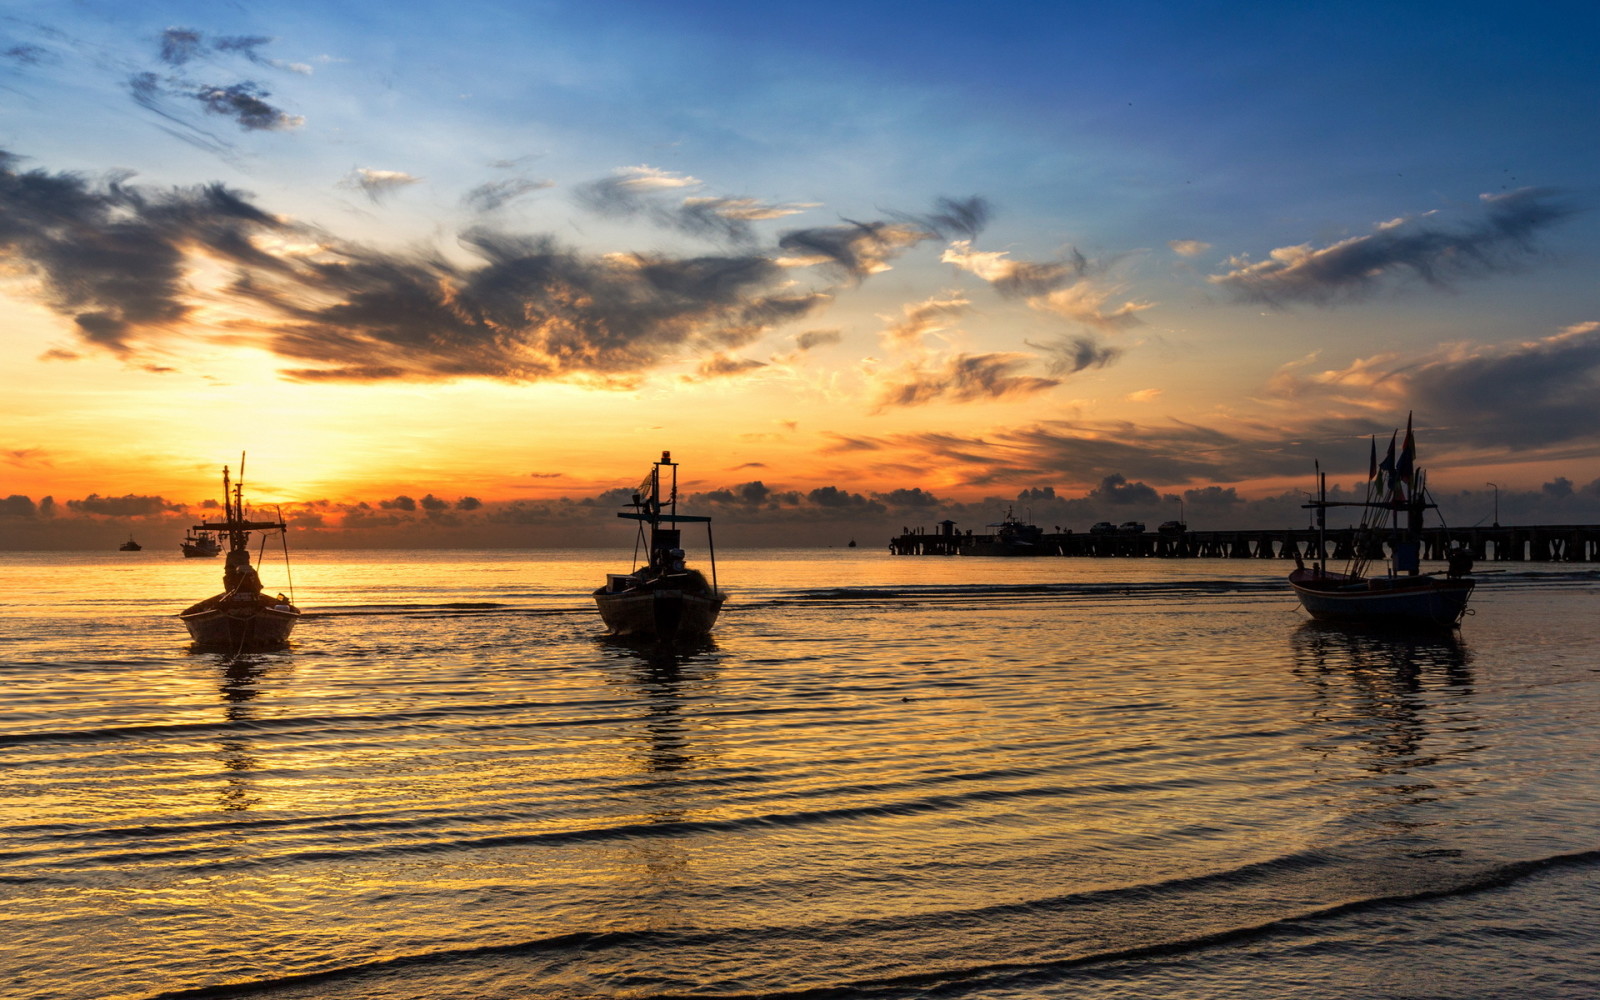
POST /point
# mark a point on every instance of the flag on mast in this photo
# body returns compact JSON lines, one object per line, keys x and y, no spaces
{"x":1387,"y":465}
{"x":1405,"y":468}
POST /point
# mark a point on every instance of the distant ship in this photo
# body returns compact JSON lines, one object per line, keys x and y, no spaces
{"x":200,"y":545}
{"x":130,"y":546}
{"x":1012,"y":537}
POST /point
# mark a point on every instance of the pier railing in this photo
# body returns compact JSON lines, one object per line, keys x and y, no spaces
{"x":1531,"y":543}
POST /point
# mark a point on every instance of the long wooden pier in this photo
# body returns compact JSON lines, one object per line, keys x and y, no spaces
{"x":1579,"y":543}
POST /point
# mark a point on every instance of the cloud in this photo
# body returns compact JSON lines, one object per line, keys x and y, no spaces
{"x":915,"y":498}
{"x":179,"y":45}
{"x":1400,"y":251}
{"x":834,"y":497}
{"x":922,"y":318}
{"x":401,"y":502}
{"x":855,"y":248}
{"x":955,"y":217}
{"x":966,"y":378}
{"x":118,"y":259}
{"x":26,"y":457}
{"x":808,"y":339}
{"x":17,"y":505}
{"x":493,"y":195}
{"x":1074,"y":287}
{"x":1144,"y":395}
{"x":130,"y":505}
{"x":377,"y":184}
{"x":1070,"y":355}
{"x":1519,"y":395}
{"x":1116,"y":489}
{"x":114,"y":257}
{"x":723,"y":366}
{"x":648,"y":192}
{"x":28,"y":55}
{"x":1188,"y":248}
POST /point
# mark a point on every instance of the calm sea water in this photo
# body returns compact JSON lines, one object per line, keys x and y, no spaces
{"x":882,"y":777}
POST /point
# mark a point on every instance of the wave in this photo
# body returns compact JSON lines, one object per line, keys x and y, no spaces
{"x":949,"y":980}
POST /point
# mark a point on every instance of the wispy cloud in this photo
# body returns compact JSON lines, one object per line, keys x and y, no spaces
{"x":857,"y":249}
{"x":1070,"y":355}
{"x":922,"y":318}
{"x":493,"y":195}
{"x":1073,"y":287}
{"x":377,"y":184}
{"x":659,"y":196}
{"x":964,"y":378}
{"x":1416,"y":249}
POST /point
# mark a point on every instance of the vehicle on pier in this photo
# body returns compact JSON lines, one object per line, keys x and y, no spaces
{"x":242,"y":617}
{"x":663,"y":599}
{"x":1403,"y":596}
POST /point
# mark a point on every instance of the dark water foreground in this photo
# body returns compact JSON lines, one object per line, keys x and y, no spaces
{"x":1158,"y":786}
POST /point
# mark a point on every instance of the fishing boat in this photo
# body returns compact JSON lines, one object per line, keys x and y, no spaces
{"x":200,"y":545}
{"x":1402,"y":595}
{"x":663,"y":599}
{"x":1011,"y":536}
{"x":130,"y":546}
{"x":244,"y":616}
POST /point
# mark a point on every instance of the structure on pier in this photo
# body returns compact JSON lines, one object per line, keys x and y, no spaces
{"x":1574,"y":543}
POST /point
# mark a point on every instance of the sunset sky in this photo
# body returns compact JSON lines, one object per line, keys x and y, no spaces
{"x":843,"y":260}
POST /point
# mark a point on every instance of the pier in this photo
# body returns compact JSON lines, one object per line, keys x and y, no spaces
{"x":1571,"y":543}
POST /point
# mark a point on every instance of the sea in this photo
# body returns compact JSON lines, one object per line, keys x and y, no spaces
{"x":892,"y":777}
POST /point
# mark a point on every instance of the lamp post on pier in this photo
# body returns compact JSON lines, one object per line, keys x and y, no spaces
{"x":1496,"y":503}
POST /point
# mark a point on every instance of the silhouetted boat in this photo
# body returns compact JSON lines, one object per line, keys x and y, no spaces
{"x":200,"y":545}
{"x":664,"y":598}
{"x":130,"y":546}
{"x":1011,"y":537}
{"x":1404,"y":596}
{"x":243,"y":616}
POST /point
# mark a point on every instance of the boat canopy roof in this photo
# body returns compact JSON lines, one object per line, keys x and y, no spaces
{"x":665,"y":518}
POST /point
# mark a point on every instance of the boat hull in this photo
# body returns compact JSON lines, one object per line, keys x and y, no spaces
{"x":665,"y":614}
{"x":235,"y":625}
{"x":1403,"y":600}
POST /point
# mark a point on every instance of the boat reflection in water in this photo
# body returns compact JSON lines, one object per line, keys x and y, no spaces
{"x":663,"y":599}
{"x":242,"y":617}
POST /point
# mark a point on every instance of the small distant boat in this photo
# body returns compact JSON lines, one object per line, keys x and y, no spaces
{"x":130,"y":546}
{"x":200,"y":545}
{"x":1011,"y":537}
{"x":1403,"y":596}
{"x":663,"y":599}
{"x":243,"y":616}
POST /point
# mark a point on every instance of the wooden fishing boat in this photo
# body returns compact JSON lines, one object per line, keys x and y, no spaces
{"x":663,"y":599}
{"x":200,"y":545}
{"x":1403,"y":595}
{"x":244,"y":616}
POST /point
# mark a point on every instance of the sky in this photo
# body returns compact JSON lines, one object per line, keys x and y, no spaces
{"x":456,"y":273}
